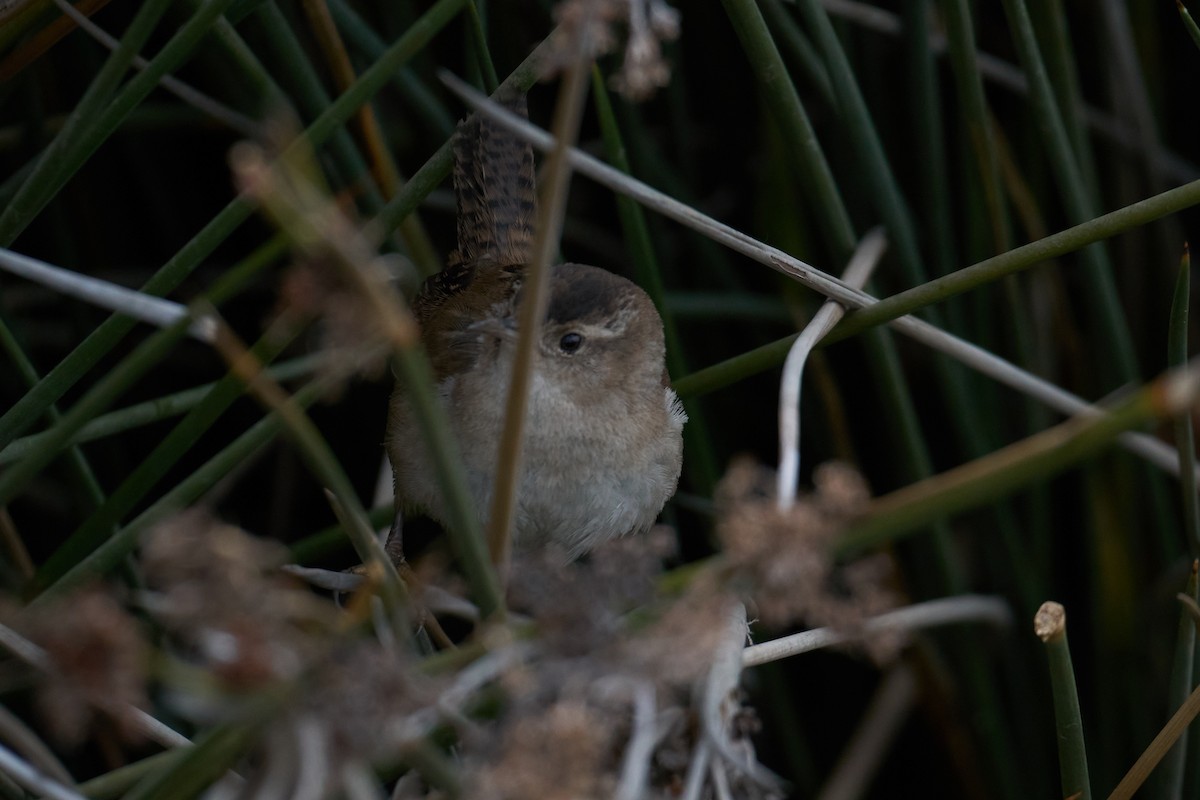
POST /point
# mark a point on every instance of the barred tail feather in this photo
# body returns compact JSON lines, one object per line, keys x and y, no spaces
{"x":496,"y":194}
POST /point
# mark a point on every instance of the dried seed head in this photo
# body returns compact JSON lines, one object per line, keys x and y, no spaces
{"x":561,"y":753}
{"x":218,"y":593}
{"x":645,"y":70}
{"x":784,"y":554}
{"x":577,"y":604}
{"x":589,"y":28}
{"x":678,"y":648}
{"x":362,"y":698}
{"x":97,"y":664}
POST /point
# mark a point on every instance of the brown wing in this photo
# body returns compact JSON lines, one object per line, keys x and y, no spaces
{"x":496,"y":196}
{"x":440,"y":289}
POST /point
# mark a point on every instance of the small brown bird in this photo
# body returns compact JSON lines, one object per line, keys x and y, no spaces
{"x":603,"y":440}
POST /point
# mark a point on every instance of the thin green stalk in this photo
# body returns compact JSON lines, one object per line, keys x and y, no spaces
{"x":13,"y":183}
{"x":1060,"y":126}
{"x":318,"y":229}
{"x":50,"y":172}
{"x":859,"y":128}
{"x":319,"y":544}
{"x":1020,"y":258}
{"x":710,"y":305}
{"x":1192,"y":758}
{"x":436,"y":767}
{"x":352,"y":167}
{"x":314,"y":449}
{"x":893,"y":209}
{"x":928,"y":136}
{"x":52,"y":169}
{"x":1050,"y":624}
{"x":707,"y":261}
{"x":942,"y":235}
{"x":1051,"y":21}
{"x":117,"y":782}
{"x":968,"y":81}
{"x":110,"y":554}
{"x":785,"y":104}
{"x":17,"y":21}
{"x":191,"y":769}
{"x":1113,"y":338}
{"x":479,"y":45}
{"x":438,"y":167}
{"x":108,"y":388}
{"x":64,"y":375}
{"x":1185,"y":440}
{"x":1125,"y":73}
{"x":911,"y":454}
{"x":146,"y":475}
{"x":1179,"y":685}
{"x":97,"y":399}
{"x":304,"y":83}
{"x":794,"y":43}
{"x":76,"y":460}
{"x":1177,"y":353}
{"x":998,"y":474}
{"x":301,"y":77}
{"x":240,"y":9}
{"x":1188,"y":23}
{"x":151,"y":411}
{"x":416,"y":94}
{"x":242,"y":60}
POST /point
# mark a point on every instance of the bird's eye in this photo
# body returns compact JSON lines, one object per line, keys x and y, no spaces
{"x":570,"y":342}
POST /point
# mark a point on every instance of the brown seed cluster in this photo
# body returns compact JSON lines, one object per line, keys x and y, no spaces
{"x":783,"y":555}
{"x":591,"y":27}
{"x":548,"y":710}
{"x":96,"y":665}
{"x":578,"y":605}
{"x":361,"y":698}
{"x":603,"y":633}
{"x":216,"y":590}
{"x":560,"y":752}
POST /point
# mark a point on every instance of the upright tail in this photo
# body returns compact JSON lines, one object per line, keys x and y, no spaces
{"x":494,"y":187}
